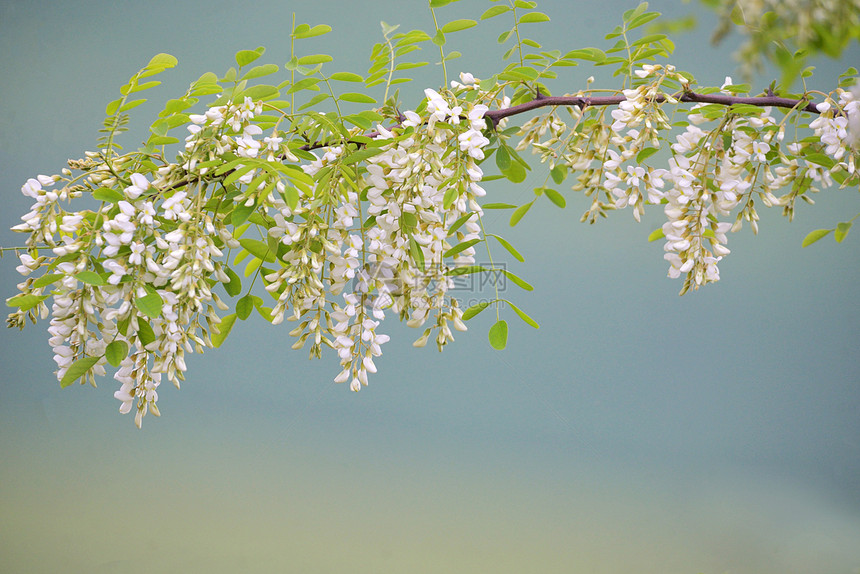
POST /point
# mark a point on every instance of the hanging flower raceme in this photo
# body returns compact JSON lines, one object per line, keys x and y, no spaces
{"x":343,"y":244}
{"x":339,"y":221}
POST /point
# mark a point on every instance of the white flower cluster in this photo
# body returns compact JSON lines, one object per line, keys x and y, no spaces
{"x":414,"y":194}
{"x":352,"y":241}
{"x":711,"y":174}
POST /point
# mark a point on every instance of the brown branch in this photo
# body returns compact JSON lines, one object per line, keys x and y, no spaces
{"x":583,"y":101}
{"x":542,"y":101}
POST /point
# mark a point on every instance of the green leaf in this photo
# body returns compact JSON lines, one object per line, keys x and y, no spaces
{"x":258,"y":249}
{"x":498,"y":206}
{"x":510,"y":248}
{"x":77,"y":370}
{"x":498,"y":335}
{"x":533,"y":17}
{"x":645,"y":154}
{"x":518,"y":280}
{"x":642,"y":19}
{"x":139,"y":88}
{"x":495,"y":11}
{"x":554,"y":196}
{"x":159,"y":127}
{"x":115,"y":352}
{"x":317,"y":30}
{"x":521,"y":73}
{"x":25,"y":302}
{"x":656,"y":234}
{"x":112,"y":107}
{"x":416,"y":253}
{"x":314,"y":59}
{"x":108,"y":194}
{"x":475,"y":309}
{"x":240,"y":214}
{"x":467,"y":270}
{"x":150,"y":305}
{"x":47,"y":279}
{"x":522,"y":314}
{"x":559,"y":174}
{"x":363,"y":154}
{"x":519,"y":213}
{"x":90,"y":278}
{"x":261,"y":92}
{"x":222,"y":329}
{"x":346,"y":77}
{"x":458,"y":224}
{"x":515,"y":172}
{"x":503,"y":159}
{"x":161,"y":62}
{"x":439,"y":38}
{"x":815,"y":236}
{"x":450,"y":196}
{"x":356,"y":97}
{"x":244,"y":306}
{"x":460,"y":247}
{"x":134,"y":103}
{"x":457,"y":25}
{"x":145,"y":334}
{"x":260,"y":71}
{"x":591,"y":54}
{"x":439,"y":3}
{"x":234,"y":287}
{"x":820,"y":159}
{"x":162,"y":140}
{"x":306,"y":84}
{"x":842,"y":230}
{"x":245,"y":57}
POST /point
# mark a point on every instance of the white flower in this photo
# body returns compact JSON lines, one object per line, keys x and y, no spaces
{"x":31,"y":188}
{"x":471,"y":141}
{"x":139,"y":184}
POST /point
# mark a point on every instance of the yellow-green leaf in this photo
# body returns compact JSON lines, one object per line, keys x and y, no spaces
{"x":150,"y":305}
{"x":522,"y":314}
{"x":656,"y":234}
{"x":90,"y":278}
{"x":475,"y":309}
{"x":234,"y":287}
{"x":145,"y":334}
{"x":815,"y":236}
{"x":222,"y":329}
{"x":457,"y":25}
{"x":357,"y":98}
{"x":317,"y":30}
{"x":25,"y":302}
{"x":554,"y":196}
{"x":77,"y":370}
{"x":115,"y":352}
{"x":346,"y":77}
{"x":518,"y":280}
{"x":841,"y":231}
{"x":258,"y":249}
{"x":533,"y":17}
{"x":245,"y":57}
{"x":498,"y":335}
{"x":519,"y":213}
{"x":510,"y":248}
{"x":460,"y":247}
{"x":495,"y":11}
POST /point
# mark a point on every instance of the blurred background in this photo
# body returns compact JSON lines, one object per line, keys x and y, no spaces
{"x":636,"y":431}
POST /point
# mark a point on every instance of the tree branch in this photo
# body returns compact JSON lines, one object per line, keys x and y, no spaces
{"x":583,"y":101}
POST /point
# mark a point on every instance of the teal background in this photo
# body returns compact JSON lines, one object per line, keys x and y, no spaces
{"x":636,"y":431}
